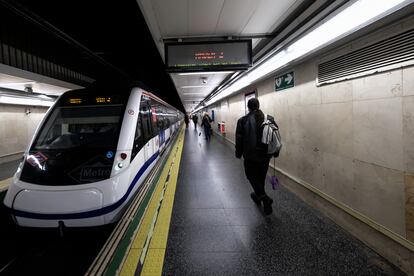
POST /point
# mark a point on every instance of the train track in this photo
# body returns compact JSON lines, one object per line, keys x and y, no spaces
{"x":27,"y":251}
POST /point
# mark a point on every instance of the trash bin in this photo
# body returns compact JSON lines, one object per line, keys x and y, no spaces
{"x":222,"y":128}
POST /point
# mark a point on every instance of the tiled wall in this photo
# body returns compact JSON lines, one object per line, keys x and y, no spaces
{"x":353,"y":140}
{"x":17,"y":128}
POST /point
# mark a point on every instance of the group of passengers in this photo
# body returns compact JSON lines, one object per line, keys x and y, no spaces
{"x":205,"y":123}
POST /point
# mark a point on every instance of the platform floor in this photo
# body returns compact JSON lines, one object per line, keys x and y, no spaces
{"x":216,"y":229}
{"x":8,"y":169}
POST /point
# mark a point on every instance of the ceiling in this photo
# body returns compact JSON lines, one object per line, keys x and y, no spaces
{"x":129,"y":35}
{"x":114,"y":32}
{"x":17,"y":83}
{"x":19,"y":80}
{"x":212,"y":18}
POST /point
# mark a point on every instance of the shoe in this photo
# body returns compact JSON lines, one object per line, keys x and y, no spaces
{"x":255,"y":199}
{"x":267,"y":205}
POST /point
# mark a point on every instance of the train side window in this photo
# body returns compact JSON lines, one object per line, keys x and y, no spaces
{"x":163,"y":118}
{"x":167,"y":122}
{"x":160,"y":120}
{"x":155,"y":107}
{"x":138,"y":139}
{"x":144,"y":114}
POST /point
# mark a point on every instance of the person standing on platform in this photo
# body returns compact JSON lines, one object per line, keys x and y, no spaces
{"x":254,"y":152}
{"x":186,"y":120}
{"x":195,"y":120}
{"x":205,"y":122}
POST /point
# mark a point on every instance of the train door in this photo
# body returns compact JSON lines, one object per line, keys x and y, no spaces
{"x":145,"y":115}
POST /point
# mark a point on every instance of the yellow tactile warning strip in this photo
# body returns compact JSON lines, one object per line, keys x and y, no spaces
{"x":146,"y":255}
{"x":4,"y":184}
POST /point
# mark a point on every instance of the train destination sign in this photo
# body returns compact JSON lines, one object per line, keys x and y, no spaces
{"x":208,"y":56}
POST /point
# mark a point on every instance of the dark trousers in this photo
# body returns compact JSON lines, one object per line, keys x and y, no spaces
{"x":207,"y":132}
{"x":256,"y":174}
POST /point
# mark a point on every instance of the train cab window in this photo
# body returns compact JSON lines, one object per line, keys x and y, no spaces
{"x":75,"y":145}
{"x":145,"y":114}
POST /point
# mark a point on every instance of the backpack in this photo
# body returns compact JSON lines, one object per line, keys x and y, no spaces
{"x":271,"y":137}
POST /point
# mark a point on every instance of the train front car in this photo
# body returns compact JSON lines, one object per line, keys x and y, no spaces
{"x":75,"y":172}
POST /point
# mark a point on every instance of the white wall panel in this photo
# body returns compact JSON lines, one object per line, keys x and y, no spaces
{"x":378,"y":132}
{"x":382,"y":85}
{"x":408,"y":81}
{"x":378,"y":192}
{"x":408,"y":133}
{"x":17,"y":128}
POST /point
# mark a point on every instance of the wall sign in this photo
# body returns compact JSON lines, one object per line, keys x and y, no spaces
{"x":285,"y":81}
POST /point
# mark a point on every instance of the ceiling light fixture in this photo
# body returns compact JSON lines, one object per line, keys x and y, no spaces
{"x":18,"y":97}
{"x":354,"y":17}
{"x":196,"y":86}
{"x":193,"y":93}
{"x":25,"y":101}
{"x":205,"y":73}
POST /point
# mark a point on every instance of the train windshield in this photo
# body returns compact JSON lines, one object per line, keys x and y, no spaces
{"x":76,"y":144}
{"x":71,"y":127}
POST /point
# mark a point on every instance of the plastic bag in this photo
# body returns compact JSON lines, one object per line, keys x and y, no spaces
{"x":274,"y":182}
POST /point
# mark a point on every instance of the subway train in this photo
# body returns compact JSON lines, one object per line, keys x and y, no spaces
{"x":89,"y":156}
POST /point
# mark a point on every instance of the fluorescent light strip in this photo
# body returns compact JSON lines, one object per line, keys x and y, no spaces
{"x":205,"y":73}
{"x":360,"y":14}
{"x":195,"y":93}
{"x":24,"y":101}
{"x":197,"y":86}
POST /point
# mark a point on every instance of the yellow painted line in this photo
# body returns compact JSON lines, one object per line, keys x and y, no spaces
{"x":141,"y":253}
{"x":155,"y":260}
{"x":153,"y":263}
{"x":130,"y":265}
{"x":131,"y":262}
{"x":4,"y":184}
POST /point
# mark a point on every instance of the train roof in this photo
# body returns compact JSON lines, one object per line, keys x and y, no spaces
{"x":109,"y":89}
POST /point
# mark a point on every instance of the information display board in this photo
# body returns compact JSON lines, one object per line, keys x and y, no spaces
{"x":208,"y":56}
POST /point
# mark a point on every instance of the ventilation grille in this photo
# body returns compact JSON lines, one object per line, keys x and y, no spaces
{"x":387,"y":53}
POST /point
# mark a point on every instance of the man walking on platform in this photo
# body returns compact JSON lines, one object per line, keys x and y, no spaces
{"x":186,"y":120}
{"x":206,"y":123}
{"x":195,"y":120}
{"x":255,"y":154}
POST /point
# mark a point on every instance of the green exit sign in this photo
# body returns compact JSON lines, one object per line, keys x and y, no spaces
{"x":285,"y":81}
